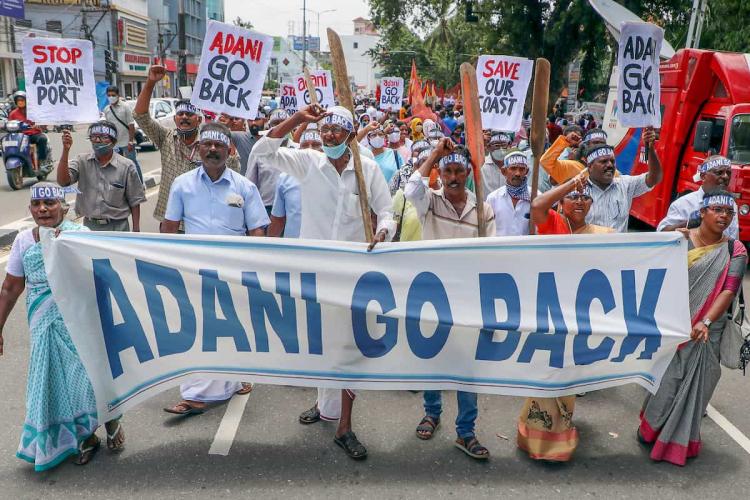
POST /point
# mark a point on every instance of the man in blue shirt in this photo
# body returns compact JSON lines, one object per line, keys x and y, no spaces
{"x":212,"y":199}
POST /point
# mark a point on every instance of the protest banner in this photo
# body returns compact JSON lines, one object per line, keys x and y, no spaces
{"x":639,"y":85}
{"x":232,"y":70}
{"x":489,"y":315}
{"x":289,"y":97}
{"x":323,"y":88}
{"x":391,"y":93}
{"x":60,"y":85}
{"x":503,"y":82}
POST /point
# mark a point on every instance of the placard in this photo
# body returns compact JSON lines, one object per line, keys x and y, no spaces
{"x":503,"y":82}
{"x":60,"y":85}
{"x":288,"y":97}
{"x":639,"y":84}
{"x":391,"y":93}
{"x":232,"y":70}
{"x":323,"y":88}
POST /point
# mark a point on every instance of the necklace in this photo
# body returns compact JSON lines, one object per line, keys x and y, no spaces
{"x":703,"y":242}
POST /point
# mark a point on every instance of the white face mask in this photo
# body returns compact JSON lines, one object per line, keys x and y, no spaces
{"x":377,"y":141}
{"x":394,"y":137}
{"x":112,"y":99}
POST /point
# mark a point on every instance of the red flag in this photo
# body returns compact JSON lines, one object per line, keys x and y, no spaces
{"x":413,"y":80}
{"x":377,"y":92}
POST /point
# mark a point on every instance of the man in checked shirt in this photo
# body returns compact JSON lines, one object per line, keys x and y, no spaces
{"x":179,"y":147}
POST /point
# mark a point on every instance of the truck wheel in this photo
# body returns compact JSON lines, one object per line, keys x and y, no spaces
{"x":15,"y":178}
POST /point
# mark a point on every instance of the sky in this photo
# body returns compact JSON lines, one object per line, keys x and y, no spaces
{"x":272,"y":17}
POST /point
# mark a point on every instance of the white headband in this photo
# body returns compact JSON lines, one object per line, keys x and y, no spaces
{"x":215,"y":135}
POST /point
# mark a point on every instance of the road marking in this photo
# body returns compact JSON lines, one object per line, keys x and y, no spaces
{"x":228,"y":426}
{"x":729,"y":428}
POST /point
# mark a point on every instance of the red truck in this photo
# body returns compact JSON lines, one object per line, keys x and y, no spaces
{"x":705,"y":102}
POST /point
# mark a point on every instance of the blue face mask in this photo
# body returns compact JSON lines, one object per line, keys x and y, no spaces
{"x":335,"y":152}
{"x":102,"y":149}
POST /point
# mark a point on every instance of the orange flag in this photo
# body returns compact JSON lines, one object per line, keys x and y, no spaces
{"x":413,"y":80}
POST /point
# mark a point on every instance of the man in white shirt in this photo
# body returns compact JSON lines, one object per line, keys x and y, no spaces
{"x":331,"y":211}
{"x":511,"y":203}
{"x":715,"y":173}
{"x":492,"y":175}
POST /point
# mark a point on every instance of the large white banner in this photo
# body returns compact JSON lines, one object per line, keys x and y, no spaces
{"x":502,"y":85}
{"x":323,"y":89}
{"x":639,"y":85}
{"x":232,"y":70}
{"x":60,"y":86}
{"x":541,"y":315}
{"x":391,"y":93}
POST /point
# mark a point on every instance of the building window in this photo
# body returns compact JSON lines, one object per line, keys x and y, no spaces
{"x":26,"y":23}
{"x":356,"y":45}
{"x":135,"y":35}
{"x":55,"y":26}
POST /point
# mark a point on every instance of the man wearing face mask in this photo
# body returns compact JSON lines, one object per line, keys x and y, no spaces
{"x":715,"y":173}
{"x":492,"y":174}
{"x":120,"y":114}
{"x":331,"y":211}
{"x":211,"y":199}
{"x":511,"y":202}
{"x":395,"y":139}
{"x":262,"y":173}
{"x":108,"y":184}
{"x":178,"y":148}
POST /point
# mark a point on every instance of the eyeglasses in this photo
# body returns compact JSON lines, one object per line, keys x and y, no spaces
{"x":722,"y":210}
{"x":334,"y":129}
{"x":185,"y":113}
{"x":98,"y":139}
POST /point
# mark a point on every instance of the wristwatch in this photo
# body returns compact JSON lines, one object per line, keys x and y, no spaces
{"x":707,"y":322}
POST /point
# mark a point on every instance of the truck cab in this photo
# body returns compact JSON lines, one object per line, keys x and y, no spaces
{"x":705,"y":105}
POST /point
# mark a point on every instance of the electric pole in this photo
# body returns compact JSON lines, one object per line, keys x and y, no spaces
{"x":304,"y":34}
{"x":183,"y":79}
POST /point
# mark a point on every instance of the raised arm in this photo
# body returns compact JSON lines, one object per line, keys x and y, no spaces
{"x":654,"y":175}
{"x":544,"y":201}
{"x":560,"y":170}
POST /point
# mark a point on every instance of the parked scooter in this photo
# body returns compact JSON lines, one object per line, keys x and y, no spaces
{"x":20,"y":156}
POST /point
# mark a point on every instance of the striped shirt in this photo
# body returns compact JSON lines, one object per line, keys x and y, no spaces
{"x":439,"y":218}
{"x":611,"y":207}
{"x":177,"y":157}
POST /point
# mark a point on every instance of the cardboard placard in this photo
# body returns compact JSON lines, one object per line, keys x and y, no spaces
{"x":639,"y":85}
{"x":502,"y":83}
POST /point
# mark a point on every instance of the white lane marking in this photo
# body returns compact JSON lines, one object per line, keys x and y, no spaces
{"x":228,"y":427}
{"x":729,"y":428}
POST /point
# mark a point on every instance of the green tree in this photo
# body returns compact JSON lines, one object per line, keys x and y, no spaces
{"x":244,"y":24}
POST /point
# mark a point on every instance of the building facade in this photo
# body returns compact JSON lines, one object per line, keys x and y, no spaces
{"x":215,"y":10}
{"x":195,"y":31}
{"x":360,"y":65}
{"x":131,"y":44}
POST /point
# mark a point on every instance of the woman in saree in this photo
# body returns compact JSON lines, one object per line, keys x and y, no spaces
{"x":545,"y":426}
{"x":61,"y":417}
{"x":671,"y":418}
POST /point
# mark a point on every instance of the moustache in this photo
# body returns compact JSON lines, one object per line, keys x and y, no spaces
{"x":213,"y":156}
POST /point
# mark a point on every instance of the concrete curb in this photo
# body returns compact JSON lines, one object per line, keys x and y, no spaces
{"x":9,"y":232}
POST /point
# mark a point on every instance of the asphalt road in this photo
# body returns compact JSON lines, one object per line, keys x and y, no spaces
{"x":272,"y":456}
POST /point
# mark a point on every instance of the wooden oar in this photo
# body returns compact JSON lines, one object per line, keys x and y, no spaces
{"x":341,"y":77}
{"x":538,"y":124}
{"x":474,"y":137}
{"x":310,"y":87}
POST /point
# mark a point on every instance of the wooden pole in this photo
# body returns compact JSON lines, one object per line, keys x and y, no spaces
{"x":474,"y":136}
{"x":341,"y":77}
{"x":310,"y":84}
{"x":538,"y":124}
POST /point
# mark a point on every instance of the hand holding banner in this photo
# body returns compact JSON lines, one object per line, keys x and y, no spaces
{"x":391,"y":93}
{"x":639,"y":86}
{"x":60,"y":86}
{"x":503,"y":82}
{"x":232,"y":70}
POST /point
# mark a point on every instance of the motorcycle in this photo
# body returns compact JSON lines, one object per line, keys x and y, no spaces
{"x":20,"y":156}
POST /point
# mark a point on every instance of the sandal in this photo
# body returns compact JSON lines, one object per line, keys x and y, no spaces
{"x":310,"y":416}
{"x":186,"y":408}
{"x":351,"y":445}
{"x":116,"y":440}
{"x":87,"y":450}
{"x":247,"y":388}
{"x":472,"y":448}
{"x":427,"y":427}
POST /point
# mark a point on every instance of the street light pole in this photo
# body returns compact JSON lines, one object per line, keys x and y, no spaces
{"x":317,"y":13}
{"x":304,"y":35}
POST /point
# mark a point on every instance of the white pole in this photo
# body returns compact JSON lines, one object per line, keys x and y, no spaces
{"x":689,"y":43}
